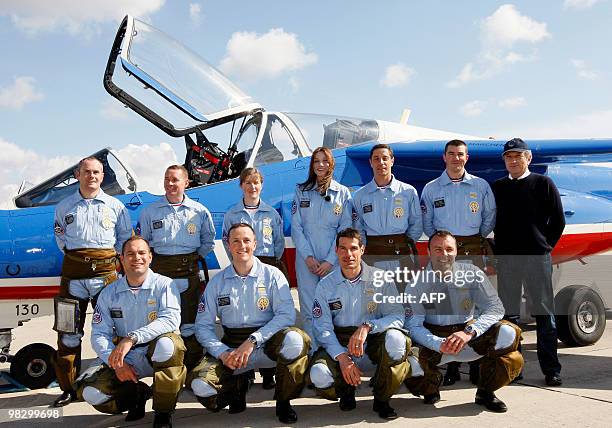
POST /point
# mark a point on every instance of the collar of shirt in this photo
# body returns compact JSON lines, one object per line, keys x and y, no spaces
{"x":122,"y":284}
{"x":525,"y":174}
{"x":101,"y":196}
{"x":239,"y":207}
{"x":256,"y":270}
{"x":445,"y":179}
{"x":187,"y":202}
{"x":394,"y":185}
{"x":365,"y":275}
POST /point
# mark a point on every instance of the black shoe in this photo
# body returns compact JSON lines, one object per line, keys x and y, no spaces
{"x":66,"y":398}
{"x":268,"y":382}
{"x":237,"y":403}
{"x":347,"y":402}
{"x":384,"y":410}
{"x":250,"y":376}
{"x":475,"y":373}
{"x":452,"y":374}
{"x":285,"y":412}
{"x":431,"y":398}
{"x":490,"y":401}
{"x":553,"y":380}
{"x":162,"y":420}
{"x":138,"y":412}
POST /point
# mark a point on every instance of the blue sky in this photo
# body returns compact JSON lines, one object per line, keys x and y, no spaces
{"x":526,"y":68}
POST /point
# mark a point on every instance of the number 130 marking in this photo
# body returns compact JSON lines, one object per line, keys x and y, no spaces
{"x":27,"y":309}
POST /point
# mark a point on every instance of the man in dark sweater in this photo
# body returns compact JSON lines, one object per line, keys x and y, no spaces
{"x":530,"y":221}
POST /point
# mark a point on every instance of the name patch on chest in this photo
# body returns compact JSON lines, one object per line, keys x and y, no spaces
{"x":116,"y":313}
{"x":335,"y":305}
{"x":223,"y":301}
{"x":158,"y":224}
{"x":69,"y":219}
{"x":304,"y":204}
{"x":429,"y":306}
{"x":367,"y":208}
{"x":439,"y":203}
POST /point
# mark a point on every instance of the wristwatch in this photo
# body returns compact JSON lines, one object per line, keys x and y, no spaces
{"x":469,"y":330}
{"x":368,"y":324}
{"x":132,"y":336}
{"x":253,"y":340}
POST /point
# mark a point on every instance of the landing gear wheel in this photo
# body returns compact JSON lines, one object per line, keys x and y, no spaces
{"x":32,"y":367}
{"x":583,"y":317}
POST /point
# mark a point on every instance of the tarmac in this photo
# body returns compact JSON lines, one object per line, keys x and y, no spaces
{"x":584,"y":399}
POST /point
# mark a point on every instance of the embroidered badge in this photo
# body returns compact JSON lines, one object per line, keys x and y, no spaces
{"x":107,"y":223}
{"x":158,"y":224}
{"x":372,"y":307}
{"x":201,"y":307}
{"x":152,"y":316}
{"x":151,"y":302}
{"x":473,"y":195}
{"x":59,"y":230}
{"x":424,"y":208}
{"x":466,"y":304}
{"x":408,"y":311}
{"x":262,"y":303}
{"x":69,"y":219}
{"x":316,"y":309}
{"x":97,"y":317}
{"x":474,"y":207}
{"x":337,"y":209}
{"x":191,"y":228}
{"x":398,"y":212}
{"x":267,"y":232}
{"x":293,"y":208}
{"x":138,"y":230}
{"x":355,"y":216}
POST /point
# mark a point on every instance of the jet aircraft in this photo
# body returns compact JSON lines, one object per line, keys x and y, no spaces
{"x":224,"y":131}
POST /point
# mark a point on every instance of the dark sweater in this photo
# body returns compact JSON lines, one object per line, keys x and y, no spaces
{"x":530,"y":217}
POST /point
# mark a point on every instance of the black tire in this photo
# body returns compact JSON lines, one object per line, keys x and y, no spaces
{"x":582,"y":319}
{"x":32,"y":366}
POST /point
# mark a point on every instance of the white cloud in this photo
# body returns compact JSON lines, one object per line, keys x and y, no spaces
{"x":583,"y":70}
{"x":150,"y":174}
{"x":397,"y":76}
{"x":114,"y":110}
{"x":73,"y":16}
{"x":195,"y":12}
{"x":20,"y":93}
{"x":17,"y":164}
{"x":252,"y":56}
{"x":472,"y":108}
{"x":596,"y":124}
{"x":512,"y":102}
{"x":500,"y":33}
{"x":579,"y":4}
{"x":294,"y":84}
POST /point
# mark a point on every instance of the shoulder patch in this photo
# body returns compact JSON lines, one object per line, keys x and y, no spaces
{"x":293,"y":208}
{"x":355,"y":216}
{"x":316,"y":309}
{"x":138,"y":230}
{"x":59,"y":230}
{"x":424,"y":208}
{"x":97,"y":317}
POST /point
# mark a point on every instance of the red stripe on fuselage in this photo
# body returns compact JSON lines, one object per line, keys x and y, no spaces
{"x":29,"y":292}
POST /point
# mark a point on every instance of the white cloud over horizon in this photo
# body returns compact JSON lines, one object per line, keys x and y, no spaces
{"x":252,"y":56}
{"x":18,"y":164}
{"x":500,"y":33}
{"x":473,"y":108}
{"x":73,"y":16}
{"x":20,"y":93}
{"x":583,"y":70}
{"x":579,"y":4}
{"x":397,"y":75}
{"x":512,"y":103}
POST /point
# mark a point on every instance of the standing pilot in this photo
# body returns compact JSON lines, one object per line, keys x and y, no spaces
{"x":181,"y":233}
{"x":90,"y":228}
{"x":464,"y":205}
{"x":133,"y":334}
{"x":255,"y":308}
{"x":321,"y":208}
{"x":388,"y":214}
{"x":354,"y":324}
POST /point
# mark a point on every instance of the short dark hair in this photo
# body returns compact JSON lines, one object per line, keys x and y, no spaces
{"x":455,"y":143}
{"x":440,"y":234}
{"x":89,"y":158}
{"x":247,"y":172}
{"x":236,"y":226}
{"x":349,"y":232}
{"x":381,"y":146}
{"x":180,"y":168}
{"x":135,"y":238}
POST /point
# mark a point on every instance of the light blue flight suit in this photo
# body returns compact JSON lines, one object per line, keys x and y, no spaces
{"x":392,"y":210}
{"x":152,"y":314}
{"x":186,"y":230}
{"x":315,"y":222}
{"x":441,"y":307}
{"x":266,"y":222}
{"x":340,"y":306}
{"x":90,"y":232}
{"x":102,"y":222}
{"x":465,"y":208}
{"x":260,"y":305}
